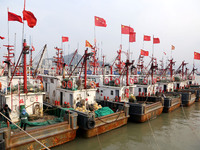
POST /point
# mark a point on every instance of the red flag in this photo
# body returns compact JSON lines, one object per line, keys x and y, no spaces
{"x":126,"y":29}
{"x":147,"y":38}
{"x":33,"y":48}
{"x":29,"y":16}
{"x":99,"y":22}
{"x":14,"y":17}
{"x":196,"y":55}
{"x":173,"y":47}
{"x":65,"y":39}
{"x":1,"y":37}
{"x":87,"y":44}
{"x":156,"y":40}
{"x":144,"y":53}
{"x":132,"y":37}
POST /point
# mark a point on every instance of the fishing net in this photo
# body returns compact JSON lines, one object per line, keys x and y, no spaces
{"x":103,"y":112}
{"x":59,"y":112}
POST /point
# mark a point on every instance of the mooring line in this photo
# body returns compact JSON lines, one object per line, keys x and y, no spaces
{"x":98,"y":139}
{"x":153,"y":133}
{"x":187,"y":119}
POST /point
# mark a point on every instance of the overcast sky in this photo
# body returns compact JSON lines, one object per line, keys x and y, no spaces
{"x":175,"y":22}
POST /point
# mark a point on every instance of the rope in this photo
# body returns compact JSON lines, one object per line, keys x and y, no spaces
{"x":98,"y":139}
{"x":25,"y":132}
{"x":153,"y":133}
{"x":186,"y":118}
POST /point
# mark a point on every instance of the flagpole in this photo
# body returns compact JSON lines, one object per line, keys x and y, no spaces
{"x":23,"y":24}
{"x":143,"y":43}
{"x":8,"y":29}
{"x":94,"y":49}
{"x":171,"y":52}
{"x":14,"y":49}
{"x":121,"y":38}
{"x":153,"y":48}
{"x":152,"y":61}
{"x":129,"y":44}
{"x":8,"y":50}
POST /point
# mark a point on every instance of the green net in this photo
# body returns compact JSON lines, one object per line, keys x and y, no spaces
{"x":59,"y":112}
{"x":103,"y":112}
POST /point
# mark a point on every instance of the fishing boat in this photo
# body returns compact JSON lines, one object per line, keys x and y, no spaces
{"x":29,"y":94}
{"x":80,"y":94}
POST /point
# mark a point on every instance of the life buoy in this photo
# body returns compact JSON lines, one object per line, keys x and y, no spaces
{"x":69,"y":84}
{"x":158,"y":79}
{"x":155,"y":80}
{"x":145,"y":81}
{"x":106,"y":81}
{"x":117,"y":81}
{"x":135,"y":80}
{"x":131,"y":80}
{"x":92,"y":84}
{"x":163,"y":78}
{"x":64,"y":84}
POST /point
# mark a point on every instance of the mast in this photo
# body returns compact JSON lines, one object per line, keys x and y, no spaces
{"x":85,"y":75}
{"x":25,"y":51}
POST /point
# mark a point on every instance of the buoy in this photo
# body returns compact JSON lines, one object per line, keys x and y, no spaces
{"x":92,"y":84}
{"x":64,"y":84}
{"x":131,"y":81}
{"x":69,"y":84}
{"x":145,"y":81}
{"x":117,"y":81}
{"x":106,"y":81}
{"x":135,"y":80}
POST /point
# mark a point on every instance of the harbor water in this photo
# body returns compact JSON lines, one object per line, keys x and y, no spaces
{"x":178,"y":130}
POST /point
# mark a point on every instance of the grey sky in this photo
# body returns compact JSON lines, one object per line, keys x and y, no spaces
{"x":175,"y":22}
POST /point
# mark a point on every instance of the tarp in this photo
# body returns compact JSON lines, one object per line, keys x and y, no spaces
{"x":103,"y":112}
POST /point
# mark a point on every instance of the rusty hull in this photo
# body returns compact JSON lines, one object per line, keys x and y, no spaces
{"x":147,"y":116}
{"x":172,"y":108}
{"x":106,"y":123}
{"x":51,"y":135}
{"x":191,"y":101}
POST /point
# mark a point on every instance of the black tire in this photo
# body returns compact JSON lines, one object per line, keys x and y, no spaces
{"x":90,"y":123}
{"x":2,"y":144}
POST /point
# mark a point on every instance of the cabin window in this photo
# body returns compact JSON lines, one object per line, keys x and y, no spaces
{"x":111,"y":92}
{"x":178,"y":86}
{"x":139,"y":90}
{"x":45,"y":87}
{"x":101,"y":91}
{"x":145,"y":90}
{"x":52,"y":81}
